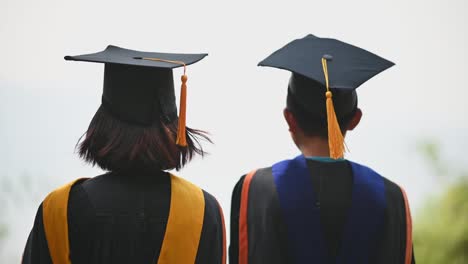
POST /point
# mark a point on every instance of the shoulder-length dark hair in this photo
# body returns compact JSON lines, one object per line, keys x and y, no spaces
{"x":115,"y":145}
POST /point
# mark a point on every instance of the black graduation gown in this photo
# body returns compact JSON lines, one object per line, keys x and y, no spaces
{"x":122,"y":218}
{"x":332,"y":182}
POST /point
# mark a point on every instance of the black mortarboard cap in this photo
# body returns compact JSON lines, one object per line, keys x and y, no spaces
{"x":139,"y":86}
{"x":349,"y":66}
{"x":312,"y":60}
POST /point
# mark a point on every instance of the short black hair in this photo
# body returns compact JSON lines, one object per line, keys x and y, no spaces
{"x":116,"y":145}
{"x":315,"y":123}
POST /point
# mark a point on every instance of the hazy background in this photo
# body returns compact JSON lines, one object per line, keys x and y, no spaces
{"x":47,"y":103}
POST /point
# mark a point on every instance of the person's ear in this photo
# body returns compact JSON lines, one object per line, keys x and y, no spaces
{"x":355,"y":120}
{"x":291,"y":120}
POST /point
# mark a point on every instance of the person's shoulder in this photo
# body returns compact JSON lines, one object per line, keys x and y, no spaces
{"x":267,"y":171}
{"x":64,"y":189}
{"x":255,"y":173}
{"x":260,"y":178}
{"x":209,"y":199}
{"x":66,"y":197}
{"x":395,"y":197}
{"x":393,"y":190}
{"x":212,"y":209}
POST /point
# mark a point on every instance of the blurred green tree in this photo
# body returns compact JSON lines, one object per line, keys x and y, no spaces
{"x":441,"y":229}
{"x":3,"y":234}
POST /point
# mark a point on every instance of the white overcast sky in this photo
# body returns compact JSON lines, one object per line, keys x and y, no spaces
{"x":47,"y":103}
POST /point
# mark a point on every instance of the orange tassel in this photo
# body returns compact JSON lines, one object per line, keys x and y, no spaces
{"x":335,"y":138}
{"x":181,"y":132}
{"x":336,"y":143}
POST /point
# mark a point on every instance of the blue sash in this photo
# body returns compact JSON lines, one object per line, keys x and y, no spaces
{"x":297,"y":201}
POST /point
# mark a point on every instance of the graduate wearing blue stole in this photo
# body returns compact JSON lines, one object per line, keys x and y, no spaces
{"x":320,"y":207}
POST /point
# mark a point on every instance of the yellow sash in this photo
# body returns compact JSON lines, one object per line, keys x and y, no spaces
{"x":183,"y":229}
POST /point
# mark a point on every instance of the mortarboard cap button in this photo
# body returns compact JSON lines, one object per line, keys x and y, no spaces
{"x":328,"y":57}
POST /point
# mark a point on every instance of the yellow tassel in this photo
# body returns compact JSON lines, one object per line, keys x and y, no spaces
{"x":335,"y":137}
{"x":181,"y":132}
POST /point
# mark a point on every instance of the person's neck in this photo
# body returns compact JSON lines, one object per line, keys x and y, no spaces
{"x":314,"y":147}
